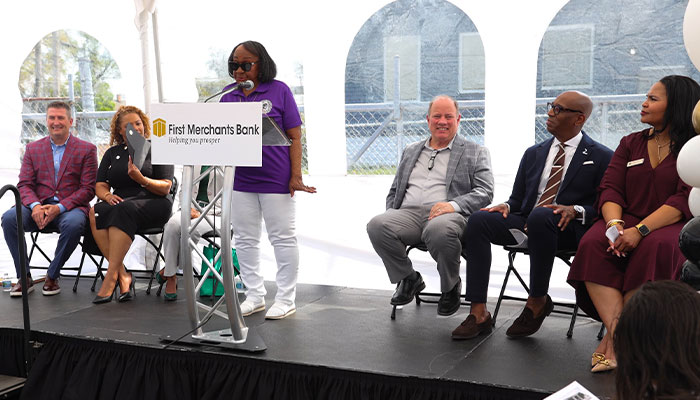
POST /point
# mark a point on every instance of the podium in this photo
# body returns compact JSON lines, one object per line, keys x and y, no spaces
{"x":223,"y":135}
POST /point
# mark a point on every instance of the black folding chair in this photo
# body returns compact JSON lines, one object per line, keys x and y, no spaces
{"x":428,"y":297}
{"x":569,"y":308}
{"x":34,"y":236}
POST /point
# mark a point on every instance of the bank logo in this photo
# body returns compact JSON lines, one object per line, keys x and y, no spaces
{"x":159,"y":127}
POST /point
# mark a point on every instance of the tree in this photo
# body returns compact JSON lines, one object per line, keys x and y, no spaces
{"x":218,"y":77}
{"x":45,"y":71}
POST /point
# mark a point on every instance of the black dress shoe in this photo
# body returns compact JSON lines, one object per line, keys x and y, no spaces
{"x":526,"y":324}
{"x":449,"y":302}
{"x":407,"y":289}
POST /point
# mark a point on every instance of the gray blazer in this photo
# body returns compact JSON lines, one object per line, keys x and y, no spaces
{"x":469,"y":180}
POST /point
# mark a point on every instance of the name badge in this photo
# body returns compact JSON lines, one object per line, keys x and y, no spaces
{"x":635,"y":162}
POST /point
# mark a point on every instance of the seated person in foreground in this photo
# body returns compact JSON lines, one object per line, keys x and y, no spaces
{"x":440,"y":182}
{"x":56,"y":184}
{"x":657,"y":342}
{"x":641,"y":196}
{"x":203,"y":192}
{"x":140,"y":200}
{"x":552,"y":201}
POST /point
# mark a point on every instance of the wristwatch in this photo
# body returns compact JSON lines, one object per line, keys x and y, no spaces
{"x":579,"y":211}
{"x":643,"y":229}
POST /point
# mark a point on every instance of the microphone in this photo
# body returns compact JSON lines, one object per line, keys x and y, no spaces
{"x":241,"y":85}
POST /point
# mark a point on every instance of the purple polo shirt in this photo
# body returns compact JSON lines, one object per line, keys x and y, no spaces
{"x":274,"y":175}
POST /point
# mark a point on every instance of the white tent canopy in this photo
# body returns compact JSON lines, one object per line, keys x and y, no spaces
{"x":317,"y":34}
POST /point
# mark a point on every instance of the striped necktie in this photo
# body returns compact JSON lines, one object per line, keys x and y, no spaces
{"x":555,"y":176}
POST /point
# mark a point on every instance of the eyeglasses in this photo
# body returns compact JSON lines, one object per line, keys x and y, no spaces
{"x":431,"y":162}
{"x":246,"y":65}
{"x":557,"y":109}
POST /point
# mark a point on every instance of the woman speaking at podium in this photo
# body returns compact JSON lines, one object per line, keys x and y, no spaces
{"x":267,"y":192}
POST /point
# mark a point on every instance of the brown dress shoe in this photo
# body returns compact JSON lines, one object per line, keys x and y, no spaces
{"x":526,"y":324}
{"x":50,"y":287}
{"x":469,"y":329}
{"x":17,"y":289}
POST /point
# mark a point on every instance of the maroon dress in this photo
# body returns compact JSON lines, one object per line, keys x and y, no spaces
{"x":631,"y":182}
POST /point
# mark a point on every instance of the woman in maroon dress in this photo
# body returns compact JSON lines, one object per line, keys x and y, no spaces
{"x":645,"y":204}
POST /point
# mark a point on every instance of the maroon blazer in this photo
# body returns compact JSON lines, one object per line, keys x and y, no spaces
{"x":76,"y":175}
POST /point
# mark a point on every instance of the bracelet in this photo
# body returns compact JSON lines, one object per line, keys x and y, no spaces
{"x":614,"y":222}
{"x":147,"y":183}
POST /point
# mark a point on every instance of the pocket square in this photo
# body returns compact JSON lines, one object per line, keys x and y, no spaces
{"x":587,"y":162}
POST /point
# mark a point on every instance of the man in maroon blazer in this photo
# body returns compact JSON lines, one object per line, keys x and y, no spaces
{"x":56,"y":183}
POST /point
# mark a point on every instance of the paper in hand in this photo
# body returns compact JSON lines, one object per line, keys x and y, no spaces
{"x":137,"y":146}
{"x":612,"y":233}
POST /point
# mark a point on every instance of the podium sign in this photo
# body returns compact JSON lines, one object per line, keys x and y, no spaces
{"x":211,"y":134}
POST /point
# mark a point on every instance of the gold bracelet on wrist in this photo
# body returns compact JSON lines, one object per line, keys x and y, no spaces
{"x":614,"y":222}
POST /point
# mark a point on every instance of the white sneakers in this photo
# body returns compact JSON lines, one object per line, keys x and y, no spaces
{"x":277,"y":311}
{"x":250,"y":306}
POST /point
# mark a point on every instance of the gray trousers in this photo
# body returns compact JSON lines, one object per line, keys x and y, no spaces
{"x":394,"y":230}
{"x":171,"y":241}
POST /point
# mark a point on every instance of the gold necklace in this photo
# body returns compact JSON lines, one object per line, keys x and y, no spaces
{"x":660,"y":146}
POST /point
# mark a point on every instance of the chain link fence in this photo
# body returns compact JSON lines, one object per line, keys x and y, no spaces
{"x":376,"y":134}
{"x":90,"y":126}
{"x":613,"y":117}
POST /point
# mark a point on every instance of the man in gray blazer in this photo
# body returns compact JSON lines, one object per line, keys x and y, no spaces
{"x":439,"y":183}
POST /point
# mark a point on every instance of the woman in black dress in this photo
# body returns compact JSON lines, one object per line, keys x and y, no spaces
{"x":140,"y":200}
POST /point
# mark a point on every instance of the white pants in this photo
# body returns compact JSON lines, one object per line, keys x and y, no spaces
{"x":278,"y":212}
{"x":171,"y":240}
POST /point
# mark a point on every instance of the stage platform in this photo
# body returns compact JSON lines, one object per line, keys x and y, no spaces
{"x":341,"y":343}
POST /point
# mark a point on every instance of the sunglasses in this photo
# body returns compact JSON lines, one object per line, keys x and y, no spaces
{"x":246,"y":66}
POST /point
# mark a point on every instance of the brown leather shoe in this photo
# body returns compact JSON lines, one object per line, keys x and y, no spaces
{"x":526,"y":324}
{"x":469,"y":329}
{"x":50,"y":287}
{"x":17,"y":289}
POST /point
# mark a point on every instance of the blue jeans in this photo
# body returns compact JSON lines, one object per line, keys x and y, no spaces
{"x":70,"y":224}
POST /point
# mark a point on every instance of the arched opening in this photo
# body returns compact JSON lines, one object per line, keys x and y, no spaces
{"x":436,"y":49}
{"x":613,"y":52}
{"x":70,"y":66}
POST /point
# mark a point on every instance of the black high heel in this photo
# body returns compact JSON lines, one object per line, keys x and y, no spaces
{"x":126,"y":296}
{"x":104,"y":299}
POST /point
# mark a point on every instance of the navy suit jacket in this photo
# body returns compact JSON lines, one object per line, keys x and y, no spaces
{"x":580,"y":184}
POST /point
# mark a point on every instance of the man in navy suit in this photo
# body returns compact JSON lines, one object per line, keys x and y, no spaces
{"x":552,"y":202}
